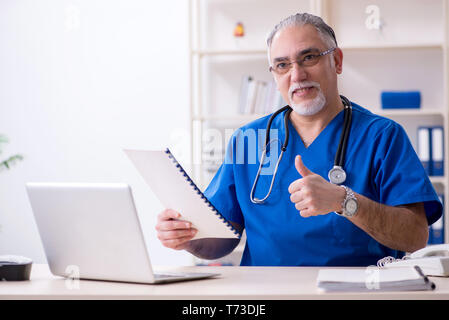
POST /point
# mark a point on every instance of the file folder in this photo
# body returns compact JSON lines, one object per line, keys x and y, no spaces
{"x":436,"y":230}
{"x":424,"y":148}
{"x":437,"y":148}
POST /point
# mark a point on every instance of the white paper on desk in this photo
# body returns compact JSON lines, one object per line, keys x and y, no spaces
{"x":373,"y":279}
{"x":176,"y":191}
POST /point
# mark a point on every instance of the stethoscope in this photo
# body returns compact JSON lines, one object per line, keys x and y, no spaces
{"x":336,"y":175}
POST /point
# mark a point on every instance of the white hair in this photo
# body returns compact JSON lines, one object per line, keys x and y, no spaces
{"x":300,"y":19}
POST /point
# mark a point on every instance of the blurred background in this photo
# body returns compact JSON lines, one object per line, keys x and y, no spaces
{"x":79,"y":81}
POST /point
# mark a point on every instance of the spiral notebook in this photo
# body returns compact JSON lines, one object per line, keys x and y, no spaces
{"x":176,"y":190}
{"x":374,"y":279}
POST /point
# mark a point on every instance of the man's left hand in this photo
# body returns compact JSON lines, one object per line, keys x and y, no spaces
{"x":313,"y":195}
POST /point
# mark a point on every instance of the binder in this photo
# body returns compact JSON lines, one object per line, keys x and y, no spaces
{"x":251,"y":96}
{"x":401,"y":99}
{"x":436,"y":230}
{"x":260,"y":97}
{"x":175,"y":190}
{"x":270,"y":96}
{"x":424,"y":144}
{"x":243,"y":97}
{"x":437,"y":151}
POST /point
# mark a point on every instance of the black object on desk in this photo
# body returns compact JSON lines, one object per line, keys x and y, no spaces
{"x":15,"y":268}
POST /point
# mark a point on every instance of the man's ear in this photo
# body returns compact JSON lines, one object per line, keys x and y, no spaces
{"x":338,"y":59}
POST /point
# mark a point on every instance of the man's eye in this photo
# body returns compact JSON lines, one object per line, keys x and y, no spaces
{"x":282,"y":65}
{"x":309,"y":57}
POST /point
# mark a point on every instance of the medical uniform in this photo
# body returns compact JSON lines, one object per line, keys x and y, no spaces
{"x":380,"y":163}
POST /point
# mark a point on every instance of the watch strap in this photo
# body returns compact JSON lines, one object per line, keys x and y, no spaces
{"x":349,"y":195}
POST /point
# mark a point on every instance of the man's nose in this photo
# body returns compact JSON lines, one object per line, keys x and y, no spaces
{"x":297,"y":73}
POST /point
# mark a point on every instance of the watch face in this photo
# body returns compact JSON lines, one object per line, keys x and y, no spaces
{"x":351,"y":207}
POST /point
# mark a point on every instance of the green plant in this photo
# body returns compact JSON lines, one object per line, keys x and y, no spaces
{"x":7,"y":163}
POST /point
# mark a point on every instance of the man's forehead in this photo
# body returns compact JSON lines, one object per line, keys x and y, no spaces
{"x":295,"y":39}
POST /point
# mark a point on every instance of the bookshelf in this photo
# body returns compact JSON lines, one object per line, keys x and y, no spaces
{"x":402,"y":55}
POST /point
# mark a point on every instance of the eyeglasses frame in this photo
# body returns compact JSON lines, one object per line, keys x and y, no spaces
{"x":300,"y":63}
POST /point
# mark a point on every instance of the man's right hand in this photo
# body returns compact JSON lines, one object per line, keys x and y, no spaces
{"x":174,"y":233}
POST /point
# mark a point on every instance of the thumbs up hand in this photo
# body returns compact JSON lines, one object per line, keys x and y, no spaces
{"x":301,"y":168}
{"x":312,"y":194}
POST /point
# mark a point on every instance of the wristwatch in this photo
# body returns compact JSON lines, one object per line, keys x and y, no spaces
{"x":350,"y":204}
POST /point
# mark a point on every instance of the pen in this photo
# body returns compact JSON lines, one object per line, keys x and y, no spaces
{"x":426,"y":280}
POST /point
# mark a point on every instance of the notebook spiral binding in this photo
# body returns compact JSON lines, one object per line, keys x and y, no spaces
{"x":386,"y":260}
{"x":198,"y":191}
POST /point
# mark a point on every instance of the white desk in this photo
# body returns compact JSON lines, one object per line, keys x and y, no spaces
{"x":251,"y":283}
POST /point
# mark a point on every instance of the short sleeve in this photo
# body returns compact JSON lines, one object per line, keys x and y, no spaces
{"x":221,"y":191}
{"x":399,"y":176}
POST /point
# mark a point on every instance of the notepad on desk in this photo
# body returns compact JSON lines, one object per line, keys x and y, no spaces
{"x":176,"y":190}
{"x":373,"y":279}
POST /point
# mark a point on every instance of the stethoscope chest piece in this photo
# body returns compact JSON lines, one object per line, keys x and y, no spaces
{"x":337,"y":175}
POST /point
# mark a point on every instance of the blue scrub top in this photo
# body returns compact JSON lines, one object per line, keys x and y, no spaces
{"x":380,"y":164}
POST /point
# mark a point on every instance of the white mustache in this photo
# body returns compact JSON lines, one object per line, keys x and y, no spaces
{"x":301,"y":85}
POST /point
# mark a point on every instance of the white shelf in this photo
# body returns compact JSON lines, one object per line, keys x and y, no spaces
{"x":228,"y":117}
{"x":383,"y":112}
{"x":411,"y":46}
{"x":229,"y":52}
{"x":238,"y":52}
{"x":409,"y":112}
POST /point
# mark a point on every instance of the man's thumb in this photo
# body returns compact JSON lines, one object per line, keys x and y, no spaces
{"x":301,"y":168}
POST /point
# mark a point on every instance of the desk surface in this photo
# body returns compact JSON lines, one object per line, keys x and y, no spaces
{"x":234,"y":283}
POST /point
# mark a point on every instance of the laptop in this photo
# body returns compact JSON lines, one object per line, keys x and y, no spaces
{"x":94,"y":229}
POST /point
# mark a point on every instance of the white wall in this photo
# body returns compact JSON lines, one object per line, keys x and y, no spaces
{"x":79,"y":80}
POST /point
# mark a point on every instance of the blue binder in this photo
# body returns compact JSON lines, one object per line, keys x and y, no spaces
{"x":436,"y":230}
{"x":431,"y":149}
{"x":401,"y":99}
{"x":437,"y":150}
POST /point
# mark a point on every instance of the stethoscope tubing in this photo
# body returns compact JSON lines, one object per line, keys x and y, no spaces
{"x":339,"y":156}
{"x":341,"y":151}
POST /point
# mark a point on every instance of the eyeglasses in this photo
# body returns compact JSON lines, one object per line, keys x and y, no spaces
{"x":306,"y":60}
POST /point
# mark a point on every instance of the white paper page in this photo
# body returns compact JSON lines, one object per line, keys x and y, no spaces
{"x":362,"y":275}
{"x":175,"y":192}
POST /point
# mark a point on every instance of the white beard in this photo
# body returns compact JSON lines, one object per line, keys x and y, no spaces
{"x":308,"y":108}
